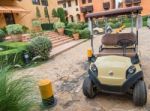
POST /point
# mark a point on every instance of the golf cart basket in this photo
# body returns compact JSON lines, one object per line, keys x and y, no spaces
{"x":132,"y":11}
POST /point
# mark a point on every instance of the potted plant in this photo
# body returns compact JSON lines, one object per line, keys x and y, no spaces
{"x":2,"y":35}
{"x":15,"y":30}
{"x":59,"y":26}
{"x":76,"y":35}
{"x":76,"y":32}
{"x":36,"y":25}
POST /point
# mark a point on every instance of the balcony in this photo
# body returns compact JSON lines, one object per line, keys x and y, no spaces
{"x":106,"y":5}
{"x":136,"y":1}
{"x":128,"y":3}
{"x":86,"y":9}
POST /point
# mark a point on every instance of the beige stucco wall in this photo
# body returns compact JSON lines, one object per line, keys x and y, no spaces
{"x":26,"y":18}
{"x":71,"y":10}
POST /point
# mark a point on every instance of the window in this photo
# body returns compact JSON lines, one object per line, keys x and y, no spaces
{"x":89,"y":1}
{"x":44,"y":2}
{"x":69,"y":3}
{"x":64,"y":5}
{"x":76,"y":2}
{"x":36,"y":2}
{"x":83,"y":1}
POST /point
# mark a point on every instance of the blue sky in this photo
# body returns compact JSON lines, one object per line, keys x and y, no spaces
{"x":117,"y":1}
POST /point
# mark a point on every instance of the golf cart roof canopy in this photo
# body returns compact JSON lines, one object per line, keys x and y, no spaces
{"x":116,"y":12}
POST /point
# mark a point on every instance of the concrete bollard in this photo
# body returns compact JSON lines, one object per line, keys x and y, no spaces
{"x":47,"y":94}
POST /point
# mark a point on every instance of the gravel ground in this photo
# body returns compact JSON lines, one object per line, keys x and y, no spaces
{"x":68,"y":70}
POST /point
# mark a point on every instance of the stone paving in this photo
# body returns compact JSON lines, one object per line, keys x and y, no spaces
{"x":68,"y":70}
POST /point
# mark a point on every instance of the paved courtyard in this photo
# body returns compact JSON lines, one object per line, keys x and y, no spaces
{"x":68,"y":70}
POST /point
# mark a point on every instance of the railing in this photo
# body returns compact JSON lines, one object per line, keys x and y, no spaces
{"x":136,"y":1}
{"x":128,"y":2}
{"x":87,"y":9}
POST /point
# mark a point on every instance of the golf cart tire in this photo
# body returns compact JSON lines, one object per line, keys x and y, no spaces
{"x":88,"y":88}
{"x":140,"y":94}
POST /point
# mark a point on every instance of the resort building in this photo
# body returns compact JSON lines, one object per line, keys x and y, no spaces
{"x":25,"y":11}
{"x":144,"y":3}
{"x":71,"y":8}
{"x":88,"y":6}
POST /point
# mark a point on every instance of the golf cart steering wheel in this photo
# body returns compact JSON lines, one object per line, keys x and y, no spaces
{"x":125,"y":43}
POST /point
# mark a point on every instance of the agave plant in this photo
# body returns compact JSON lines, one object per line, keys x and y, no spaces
{"x":15,"y":93}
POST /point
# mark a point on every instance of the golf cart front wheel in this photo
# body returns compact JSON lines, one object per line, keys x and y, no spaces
{"x":96,"y":32}
{"x":140,"y":94}
{"x":88,"y":88}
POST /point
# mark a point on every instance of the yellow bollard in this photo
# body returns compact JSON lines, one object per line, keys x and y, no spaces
{"x":46,"y":91}
{"x":89,"y":53}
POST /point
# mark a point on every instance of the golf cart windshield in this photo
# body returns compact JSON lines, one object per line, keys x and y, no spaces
{"x":113,"y":39}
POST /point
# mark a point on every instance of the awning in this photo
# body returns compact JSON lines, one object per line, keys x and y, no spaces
{"x":12,"y":9}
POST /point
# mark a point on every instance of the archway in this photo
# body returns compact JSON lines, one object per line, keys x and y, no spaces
{"x":78,"y":17}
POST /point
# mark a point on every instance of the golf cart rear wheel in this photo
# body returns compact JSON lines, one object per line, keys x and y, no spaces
{"x":88,"y":88}
{"x":140,"y":94}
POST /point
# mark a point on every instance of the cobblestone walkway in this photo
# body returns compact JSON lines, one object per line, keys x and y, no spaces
{"x":68,"y":70}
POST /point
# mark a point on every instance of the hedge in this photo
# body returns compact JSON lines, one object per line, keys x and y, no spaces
{"x":47,"y":26}
{"x":84,"y":34}
{"x":14,"y":53}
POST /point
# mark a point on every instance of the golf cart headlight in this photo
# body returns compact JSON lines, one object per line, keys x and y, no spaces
{"x":131,"y":70}
{"x":94,"y":68}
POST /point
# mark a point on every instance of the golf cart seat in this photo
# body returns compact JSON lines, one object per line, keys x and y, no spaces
{"x":117,"y":51}
{"x":112,"y":39}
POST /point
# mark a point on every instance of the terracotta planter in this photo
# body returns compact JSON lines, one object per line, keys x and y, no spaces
{"x":37,"y":28}
{"x":76,"y":36}
{"x":16,"y":37}
{"x":60,"y":31}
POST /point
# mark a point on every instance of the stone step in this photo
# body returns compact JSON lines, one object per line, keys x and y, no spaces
{"x":61,"y":39}
{"x":62,"y":42}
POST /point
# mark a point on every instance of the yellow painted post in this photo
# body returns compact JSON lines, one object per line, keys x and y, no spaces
{"x":89,"y":54}
{"x":47,"y":94}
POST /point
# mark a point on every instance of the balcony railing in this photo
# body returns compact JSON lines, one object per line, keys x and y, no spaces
{"x":86,"y":9}
{"x":136,"y":1}
{"x":128,"y":2}
{"x":106,"y":5}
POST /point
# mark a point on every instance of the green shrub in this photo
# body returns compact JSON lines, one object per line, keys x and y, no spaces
{"x":40,"y":46}
{"x":85,"y":34}
{"x":25,"y":29}
{"x":68,"y":32}
{"x":36,"y":23}
{"x":2,"y":35}
{"x":47,"y":26}
{"x":14,"y":29}
{"x":38,"y":14}
{"x":15,"y":92}
{"x":54,"y":13}
{"x":59,"y":25}
{"x":4,"y":29}
{"x":61,"y":14}
{"x":14,"y":53}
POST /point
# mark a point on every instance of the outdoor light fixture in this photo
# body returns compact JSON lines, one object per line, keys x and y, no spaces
{"x":26,"y":58}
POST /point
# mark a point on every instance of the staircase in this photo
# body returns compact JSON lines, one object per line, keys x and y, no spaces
{"x":57,"y":39}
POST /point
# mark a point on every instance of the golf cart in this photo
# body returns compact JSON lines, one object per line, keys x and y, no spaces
{"x":116,"y":68}
{"x":100,"y":29}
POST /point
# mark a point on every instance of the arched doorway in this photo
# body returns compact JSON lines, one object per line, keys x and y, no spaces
{"x":71,"y":18}
{"x":78,"y":17}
